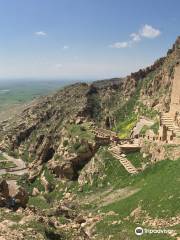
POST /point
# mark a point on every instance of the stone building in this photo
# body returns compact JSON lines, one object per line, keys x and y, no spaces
{"x":169,"y":130}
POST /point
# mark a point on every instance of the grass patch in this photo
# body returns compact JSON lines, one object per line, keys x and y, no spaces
{"x":124,"y":230}
{"x":110,"y":174}
{"x":40,"y":202}
{"x":125,"y":128}
{"x":7,"y":164}
{"x":81,"y":131}
{"x":154,"y":128}
{"x":136,"y":158}
{"x":146,"y":111}
{"x":2,"y":157}
{"x":13,"y":216}
{"x":159,"y":196}
{"x":8,"y":176}
{"x":158,"y":183}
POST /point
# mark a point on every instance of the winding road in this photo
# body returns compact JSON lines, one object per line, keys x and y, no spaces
{"x":19,"y":170}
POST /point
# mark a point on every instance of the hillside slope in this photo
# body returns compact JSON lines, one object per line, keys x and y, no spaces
{"x":74,"y":180}
{"x":107,"y":102}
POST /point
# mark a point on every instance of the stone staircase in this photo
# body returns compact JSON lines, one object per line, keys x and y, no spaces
{"x":175,"y":94}
{"x":177,"y":131}
{"x":172,"y":131}
{"x":168,"y":121}
{"x":123,"y":160}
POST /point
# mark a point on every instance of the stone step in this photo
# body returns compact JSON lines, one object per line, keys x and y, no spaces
{"x":165,"y":120}
{"x":124,"y":161}
{"x":166,"y":117}
{"x":177,"y":130}
{"x":168,"y":125}
{"x":177,"y":133}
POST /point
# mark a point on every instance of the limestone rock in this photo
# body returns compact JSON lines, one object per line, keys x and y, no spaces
{"x":35,"y":192}
{"x":15,"y":199}
{"x":21,"y":197}
{"x":4,"y":189}
{"x":47,"y":186}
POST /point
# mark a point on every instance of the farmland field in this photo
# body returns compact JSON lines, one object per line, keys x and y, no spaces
{"x":14,"y":94}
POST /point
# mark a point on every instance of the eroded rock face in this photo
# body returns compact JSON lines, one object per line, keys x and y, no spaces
{"x":47,"y":186}
{"x":35,"y":192}
{"x":63,"y":170}
{"x":16,"y":198}
{"x":21,"y":197}
{"x":158,"y":151}
{"x":72,"y":163}
{"x":38,"y":134}
{"x":91,"y":170}
{"x":34,"y":170}
{"x":4,"y":193}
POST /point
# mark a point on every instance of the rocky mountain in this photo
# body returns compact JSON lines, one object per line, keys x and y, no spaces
{"x":65,"y":136}
{"x":38,"y":128}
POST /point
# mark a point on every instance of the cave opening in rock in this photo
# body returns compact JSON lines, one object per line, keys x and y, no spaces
{"x":52,"y":235}
{"x":49,"y":154}
{"x":78,"y":166}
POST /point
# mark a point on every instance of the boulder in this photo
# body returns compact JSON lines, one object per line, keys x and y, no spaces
{"x":34,"y":171}
{"x":35,"y":191}
{"x":47,"y":186}
{"x":4,"y":189}
{"x":12,"y":196}
{"x":21,"y":197}
{"x":4,"y":193}
{"x":62,"y":170}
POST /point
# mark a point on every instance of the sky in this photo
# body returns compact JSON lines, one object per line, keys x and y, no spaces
{"x":84,"y":39}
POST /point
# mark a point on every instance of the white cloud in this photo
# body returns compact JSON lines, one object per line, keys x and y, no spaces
{"x":41,"y":33}
{"x":65,"y":47}
{"x":148,"y":31}
{"x":135,"y":37}
{"x":120,"y":45}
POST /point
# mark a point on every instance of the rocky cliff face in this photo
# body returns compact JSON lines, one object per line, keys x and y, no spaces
{"x":157,"y":86}
{"x":50,"y":127}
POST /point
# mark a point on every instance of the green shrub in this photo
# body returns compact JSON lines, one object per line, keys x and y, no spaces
{"x":65,"y":143}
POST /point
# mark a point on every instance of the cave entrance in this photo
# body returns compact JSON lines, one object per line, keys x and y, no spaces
{"x":49,"y":154}
{"x":78,"y":166}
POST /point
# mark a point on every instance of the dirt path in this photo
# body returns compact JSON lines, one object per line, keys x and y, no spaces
{"x":109,"y":196}
{"x":118,"y":195}
{"x":20,"y":168}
